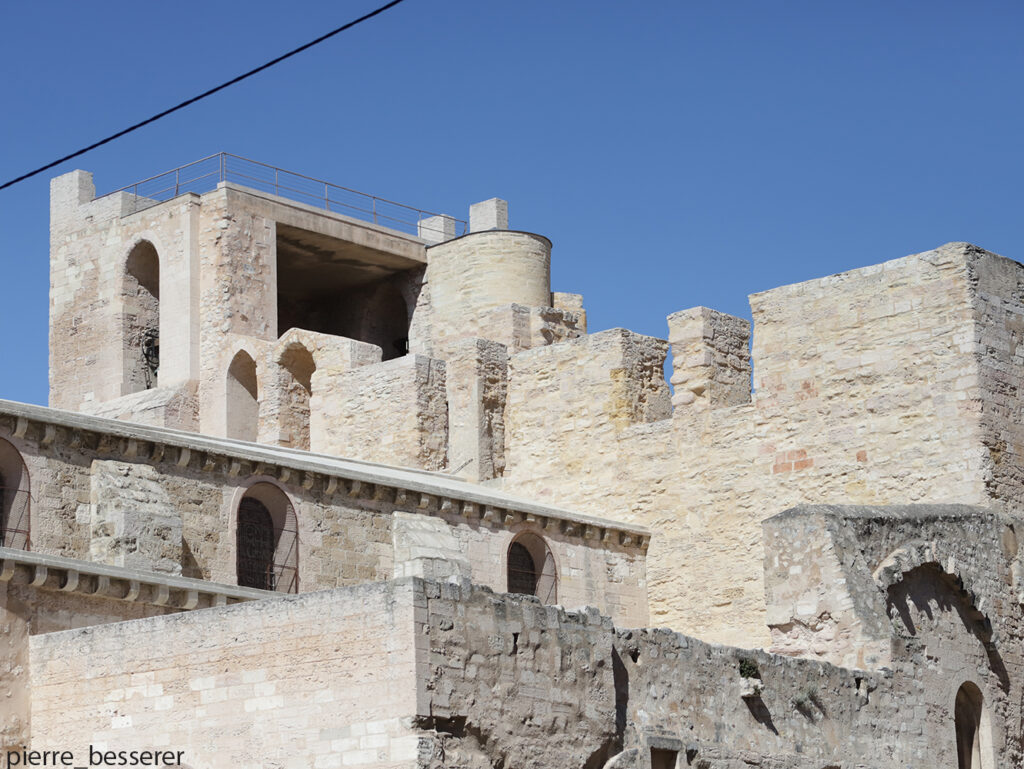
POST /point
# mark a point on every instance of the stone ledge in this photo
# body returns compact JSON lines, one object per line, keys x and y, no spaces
{"x":69,"y":575}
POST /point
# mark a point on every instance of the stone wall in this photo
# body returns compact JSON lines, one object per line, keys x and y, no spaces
{"x":517,"y":682}
{"x":868,"y":389}
{"x":393,"y":412}
{"x":298,"y":680}
{"x":161,"y":500}
{"x":419,"y":673}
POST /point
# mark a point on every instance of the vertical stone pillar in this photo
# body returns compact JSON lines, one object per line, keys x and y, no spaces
{"x":476,"y":381}
{"x":710,"y":358}
{"x":14,"y":672}
{"x":488,"y":215}
{"x":436,"y":229}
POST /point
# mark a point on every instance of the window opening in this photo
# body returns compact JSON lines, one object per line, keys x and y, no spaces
{"x":522,"y":572}
{"x":15,"y":499}
{"x":141,"y":318}
{"x":267,"y":542}
{"x":531,"y":568}
{"x":255,"y":545}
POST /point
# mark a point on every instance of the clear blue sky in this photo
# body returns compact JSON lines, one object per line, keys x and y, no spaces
{"x":676,"y":153}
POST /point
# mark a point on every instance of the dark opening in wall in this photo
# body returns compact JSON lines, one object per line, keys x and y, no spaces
{"x":530,"y":568}
{"x":663,"y":759}
{"x":266,"y":540}
{"x":967,"y":716}
{"x":141,"y":325}
{"x":15,"y":499}
{"x":341,"y":288}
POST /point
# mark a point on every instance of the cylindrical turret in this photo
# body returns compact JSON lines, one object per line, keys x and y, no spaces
{"x":472,"y":276}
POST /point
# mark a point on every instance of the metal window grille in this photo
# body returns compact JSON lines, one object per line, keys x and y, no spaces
{"x":266,"y":554}
{"x":522,"y":571}
{"x":15,"y":509}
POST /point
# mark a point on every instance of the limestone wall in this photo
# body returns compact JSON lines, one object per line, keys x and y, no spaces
{"x":393,"y":412}
{"x":90,"y":242}
{"x":516,"y":682}
{"x":867,"y":389}
{"x":165,"y":501}
{"x":299,"y":680}
{"x":479,"y":272}
{"x":439,"y":674}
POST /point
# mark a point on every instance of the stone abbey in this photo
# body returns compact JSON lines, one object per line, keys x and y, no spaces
{"x":329,"y":482}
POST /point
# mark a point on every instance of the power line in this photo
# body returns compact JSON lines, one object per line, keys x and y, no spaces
{"x":203,"y":95}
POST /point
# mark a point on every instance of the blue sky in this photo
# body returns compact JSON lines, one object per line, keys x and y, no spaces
{"x":676,"y":153}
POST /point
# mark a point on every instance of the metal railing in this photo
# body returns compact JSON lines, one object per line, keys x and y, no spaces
{"x":15,"y":518}
{"x":205,"y":174}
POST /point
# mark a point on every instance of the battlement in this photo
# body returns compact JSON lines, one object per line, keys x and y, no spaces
{"x":297,"y":326}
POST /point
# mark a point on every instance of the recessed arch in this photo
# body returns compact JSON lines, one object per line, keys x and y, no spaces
{"x":530,"y":568}
{"x":242,"y":408}
{"x":15,"y":499}
{"x":141,"y":318}
{"x":298,"y":367}
{"x":971,"y":722}
{"x":266,"y":539}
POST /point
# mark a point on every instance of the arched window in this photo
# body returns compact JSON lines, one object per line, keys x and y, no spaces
{"x":967,"y":714}
{"x":141,"y":318}
{"x":266,"y":538}
{"x":15,"y":500}
{"x":531,"y":568}
{"x":242,"y":408}
{"x":299,"y":366}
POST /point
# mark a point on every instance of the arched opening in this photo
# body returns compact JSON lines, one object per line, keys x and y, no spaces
{"x":267,"y":542}
{"x":530,"y":568}
{"x":297,"y":389}
{"x":141,"y":318}
{"x":15,"y":499}
{"x":242,"y":407}
{"x":967,"y":714}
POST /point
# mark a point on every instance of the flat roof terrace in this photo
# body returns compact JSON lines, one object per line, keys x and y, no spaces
{"x":208,"y":173}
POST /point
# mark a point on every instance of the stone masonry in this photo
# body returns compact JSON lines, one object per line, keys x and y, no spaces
{"x":312,"y":491}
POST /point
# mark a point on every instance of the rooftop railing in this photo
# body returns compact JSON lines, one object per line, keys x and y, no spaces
{"x":204,"y":175}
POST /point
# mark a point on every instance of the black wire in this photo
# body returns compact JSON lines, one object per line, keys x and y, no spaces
{"x":203,"y":95}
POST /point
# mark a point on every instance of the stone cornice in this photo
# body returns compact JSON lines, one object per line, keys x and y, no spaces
{"x":415,"y":490}
{"x":95,"y":580}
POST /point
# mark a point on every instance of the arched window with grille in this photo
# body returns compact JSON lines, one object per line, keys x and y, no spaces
{"x":530,"y":568}
{"x":15,"y":499}
{"x":266,"y":539}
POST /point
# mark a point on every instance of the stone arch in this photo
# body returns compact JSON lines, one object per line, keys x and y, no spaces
{"x":266,"y":539}
{"x":530,"y":567}
{"x":919,"y":554}
{"x":297,"y":368}
{"x":15,"y":498}
{"x":242,"y":408}
{"x":141,"y":318}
